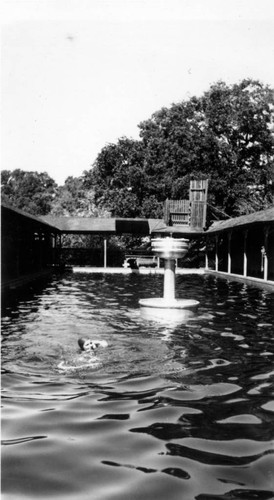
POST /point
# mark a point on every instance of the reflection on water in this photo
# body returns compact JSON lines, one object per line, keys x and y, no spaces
{"x":177,"y":411}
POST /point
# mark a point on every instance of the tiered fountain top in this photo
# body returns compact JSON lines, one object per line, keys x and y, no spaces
{"x":169,"y":248}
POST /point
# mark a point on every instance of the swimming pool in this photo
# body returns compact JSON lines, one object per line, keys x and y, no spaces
{"x":177,"y":411}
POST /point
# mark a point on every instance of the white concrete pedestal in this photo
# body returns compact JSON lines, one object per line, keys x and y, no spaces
{"x":169,"y":307}
{"x":169,"y":279}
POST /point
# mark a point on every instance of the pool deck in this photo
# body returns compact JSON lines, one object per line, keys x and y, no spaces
{"x":128,"y":270}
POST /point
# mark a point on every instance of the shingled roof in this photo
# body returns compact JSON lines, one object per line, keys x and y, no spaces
{"x":109,"y":226}
{"x":104,"y":226}
{"x":79,"y":225}
{"x":22,"y":215}
{"x":263,"y":216}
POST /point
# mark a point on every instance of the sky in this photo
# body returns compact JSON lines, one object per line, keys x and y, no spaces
{"x":77,"y":75}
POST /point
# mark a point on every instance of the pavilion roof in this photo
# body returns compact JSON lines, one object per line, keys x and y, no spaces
{"x":79,"y":225}
{"x":23,"y":216}
{"x":108,"y":226}
{"x":138,"y":226}
{"x":263,"y":216}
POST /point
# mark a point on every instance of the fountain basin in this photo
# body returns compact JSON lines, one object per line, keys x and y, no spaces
{"x":162,"y":303}
{"x":169,"y":311}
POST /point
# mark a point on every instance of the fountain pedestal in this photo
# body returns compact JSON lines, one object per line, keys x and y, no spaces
{"x":169,"y":249}
{"x":169,"y":280}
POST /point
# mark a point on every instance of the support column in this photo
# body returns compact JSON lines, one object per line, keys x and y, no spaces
{"x":216,"y":254}
{"x":17,"y":253}
{"x":169,"y":279}
{"x":206,"y":254}
{"x":245,"y":253}
{"x":229,"y":253}
{"x":40,"y":251}
{"x":266,"y":232}
{"x":54,"y":244}
{"x":105,"y":253}
{"x":60,"y":241}
{"x":58,"y":249}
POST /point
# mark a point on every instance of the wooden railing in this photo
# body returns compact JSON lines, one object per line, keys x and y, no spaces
{"x":190,"y":212}
{"x":177,"y":212}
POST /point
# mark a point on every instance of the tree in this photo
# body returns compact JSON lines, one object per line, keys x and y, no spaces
{"x":74,"y":198}
{"x":118,"y":178}
{"x":29,"y":191}
{"x":226,"y":136}
{"x":173,"y":139}
{"x":240,"y":119}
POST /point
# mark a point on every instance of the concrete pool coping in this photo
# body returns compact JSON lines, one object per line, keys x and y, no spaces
{"x":248,"y":280}
{"x":128,"y":270}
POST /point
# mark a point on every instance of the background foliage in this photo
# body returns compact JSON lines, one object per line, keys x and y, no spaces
{"x":226,"y":135}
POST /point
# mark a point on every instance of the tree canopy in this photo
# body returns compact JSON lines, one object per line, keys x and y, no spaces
{"x":225,"y":135}
{"x":74,"y":198}
{"x":30,"y":191}
{"x":119,"y":178}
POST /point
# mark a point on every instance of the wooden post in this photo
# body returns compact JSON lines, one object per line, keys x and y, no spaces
{"x":60,"y":241}
{"x":216,"y":253}
{"x":17,"y":260}
{"x":245,"y":254}
{"x":59,"y":248}
{"x":229,"y":253}
{"x":40,"y":251}
{"x":266,"y":232}
{"x":105,"y":253}
{"x":167,"y":212}
{"x":18,"y":251}
{"x":55,"y":245}
{"x":206,"y":256}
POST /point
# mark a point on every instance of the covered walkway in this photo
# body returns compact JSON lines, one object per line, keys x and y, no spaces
{"x":107,"y":227}
{"x":241,"y":247}
{"x":118,"y":226}
{"x":27,"y":247}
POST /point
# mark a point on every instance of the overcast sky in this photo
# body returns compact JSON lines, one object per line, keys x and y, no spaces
{"x":78,"y":74}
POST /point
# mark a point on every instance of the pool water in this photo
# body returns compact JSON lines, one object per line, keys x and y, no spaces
{"x":172,"y":411}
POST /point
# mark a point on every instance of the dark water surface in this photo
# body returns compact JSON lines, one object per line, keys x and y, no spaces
{"x":174,"y":411}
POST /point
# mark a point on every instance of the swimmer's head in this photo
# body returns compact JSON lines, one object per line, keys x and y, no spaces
{"x":89,"y":345}
{"x":86,"y":345}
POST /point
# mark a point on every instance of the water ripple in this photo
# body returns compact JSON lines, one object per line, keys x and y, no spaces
{"x":174,"y":411}
{"x":8,"y":442}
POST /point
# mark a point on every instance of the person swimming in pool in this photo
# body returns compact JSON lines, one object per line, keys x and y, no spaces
{"x":88,"y":345}
{"x":86,"y":359}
